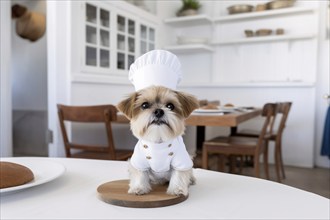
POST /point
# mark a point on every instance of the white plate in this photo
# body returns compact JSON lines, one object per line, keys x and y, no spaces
{"x":209,"y":111}
{"x":43,"y":171}
{"x":228,"y":108}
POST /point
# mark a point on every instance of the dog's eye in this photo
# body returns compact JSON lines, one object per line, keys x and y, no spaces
{"x":170,"y":106}
{"x":145,"y":105}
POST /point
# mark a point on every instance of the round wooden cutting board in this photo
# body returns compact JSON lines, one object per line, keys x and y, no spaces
{"x":115,"y":193}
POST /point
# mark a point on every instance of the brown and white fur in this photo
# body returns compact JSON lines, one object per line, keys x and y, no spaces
{"x":157,"y":115}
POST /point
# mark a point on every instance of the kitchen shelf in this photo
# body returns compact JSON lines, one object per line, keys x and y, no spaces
{"x":265,"y":39}
{"x":275,"y":84}
{"x":192,"y":20}
{"x":267,"y":13}
{"x":191,"y":48}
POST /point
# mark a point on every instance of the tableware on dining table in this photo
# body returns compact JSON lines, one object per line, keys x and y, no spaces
{"x":244,"y":109}
{"x":228,"y":108}
{"x":44,"y":171}
{"x":200,"y":110}
{"x":241,"y":8}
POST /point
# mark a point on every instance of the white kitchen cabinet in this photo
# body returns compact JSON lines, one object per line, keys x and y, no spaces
{"x":113,"y":34}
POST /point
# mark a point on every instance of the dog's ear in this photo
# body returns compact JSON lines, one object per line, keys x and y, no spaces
{"x":127,"y":105}
{"x":188,"y":103}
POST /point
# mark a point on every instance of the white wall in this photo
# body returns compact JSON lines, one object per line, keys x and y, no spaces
{"x":322,"y":86}
{"x":59,"y":67}
{"x":29,"y":61}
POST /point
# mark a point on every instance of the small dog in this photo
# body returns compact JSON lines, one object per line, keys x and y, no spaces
{"x":157,"y":117}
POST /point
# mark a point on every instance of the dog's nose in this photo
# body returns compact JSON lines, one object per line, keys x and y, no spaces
{"x":159,"y":112}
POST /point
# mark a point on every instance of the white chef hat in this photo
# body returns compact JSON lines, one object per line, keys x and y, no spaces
{"x":157,"y":67}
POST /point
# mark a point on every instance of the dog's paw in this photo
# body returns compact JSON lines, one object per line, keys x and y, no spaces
{"x":178,"y":191}
{"x":139,"y":190}
{"x":192,"y":180}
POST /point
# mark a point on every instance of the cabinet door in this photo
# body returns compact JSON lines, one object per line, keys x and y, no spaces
{"x":130,"y":32}
{"x":126,"y":41}
{"x":97,"y":36}
{"x":147,"y":38}
{"x":113,"y":38}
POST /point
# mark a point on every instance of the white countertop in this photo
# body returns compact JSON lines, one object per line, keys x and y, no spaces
{"x":215,"y":196}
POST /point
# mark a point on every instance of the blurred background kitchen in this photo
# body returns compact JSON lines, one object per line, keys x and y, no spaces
{"x":245,"y":53}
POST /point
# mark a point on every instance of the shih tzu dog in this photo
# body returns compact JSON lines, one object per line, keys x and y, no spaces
{"x":157,"y":117}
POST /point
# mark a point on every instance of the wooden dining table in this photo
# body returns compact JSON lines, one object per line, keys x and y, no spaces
{"x":228,"y":118}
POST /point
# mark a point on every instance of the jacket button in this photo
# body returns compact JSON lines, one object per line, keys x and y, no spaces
{"x":170,"y":154}
{"x":148,"y":157}
{"x":169,"y":145}
{"x":145,"y":146}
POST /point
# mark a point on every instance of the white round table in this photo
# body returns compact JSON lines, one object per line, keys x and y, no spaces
{"x":216,"y":195}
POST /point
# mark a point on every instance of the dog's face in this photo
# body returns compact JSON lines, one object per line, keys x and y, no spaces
{"x":157,"y":113}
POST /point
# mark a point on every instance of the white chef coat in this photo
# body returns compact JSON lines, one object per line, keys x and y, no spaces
{"x":161,"y":157}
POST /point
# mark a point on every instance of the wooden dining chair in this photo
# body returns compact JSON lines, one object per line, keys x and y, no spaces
{"x":283,"y":111}
{"x":232,"y":146}
{"x":91,"y":114}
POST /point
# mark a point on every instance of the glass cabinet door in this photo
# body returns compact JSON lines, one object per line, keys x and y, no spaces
{"x":112,"y":38}
{"x":147,"y":36}
{"x":125,"y":42}
{"x":97,"y":36}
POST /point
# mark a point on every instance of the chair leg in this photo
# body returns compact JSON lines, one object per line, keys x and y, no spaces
{"x":232,"y":164}
{"x":277,"y":161}
{"x":221,"y":163}
{"x":256,"y":165}
{"x":204,"y":158}
{"x":241,"y":163}
{"x":281,"y":160}
{"x":265,"y":155}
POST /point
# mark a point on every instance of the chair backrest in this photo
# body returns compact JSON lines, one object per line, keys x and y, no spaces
{"x":269,"y":111}
{"x":89,"y":114}
{"x":284,"y":109}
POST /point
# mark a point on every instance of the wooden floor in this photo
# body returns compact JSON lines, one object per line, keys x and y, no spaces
{"x":315,"y":180}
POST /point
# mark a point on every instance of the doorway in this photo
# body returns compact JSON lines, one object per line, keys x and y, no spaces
{"x":29,"y":89}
